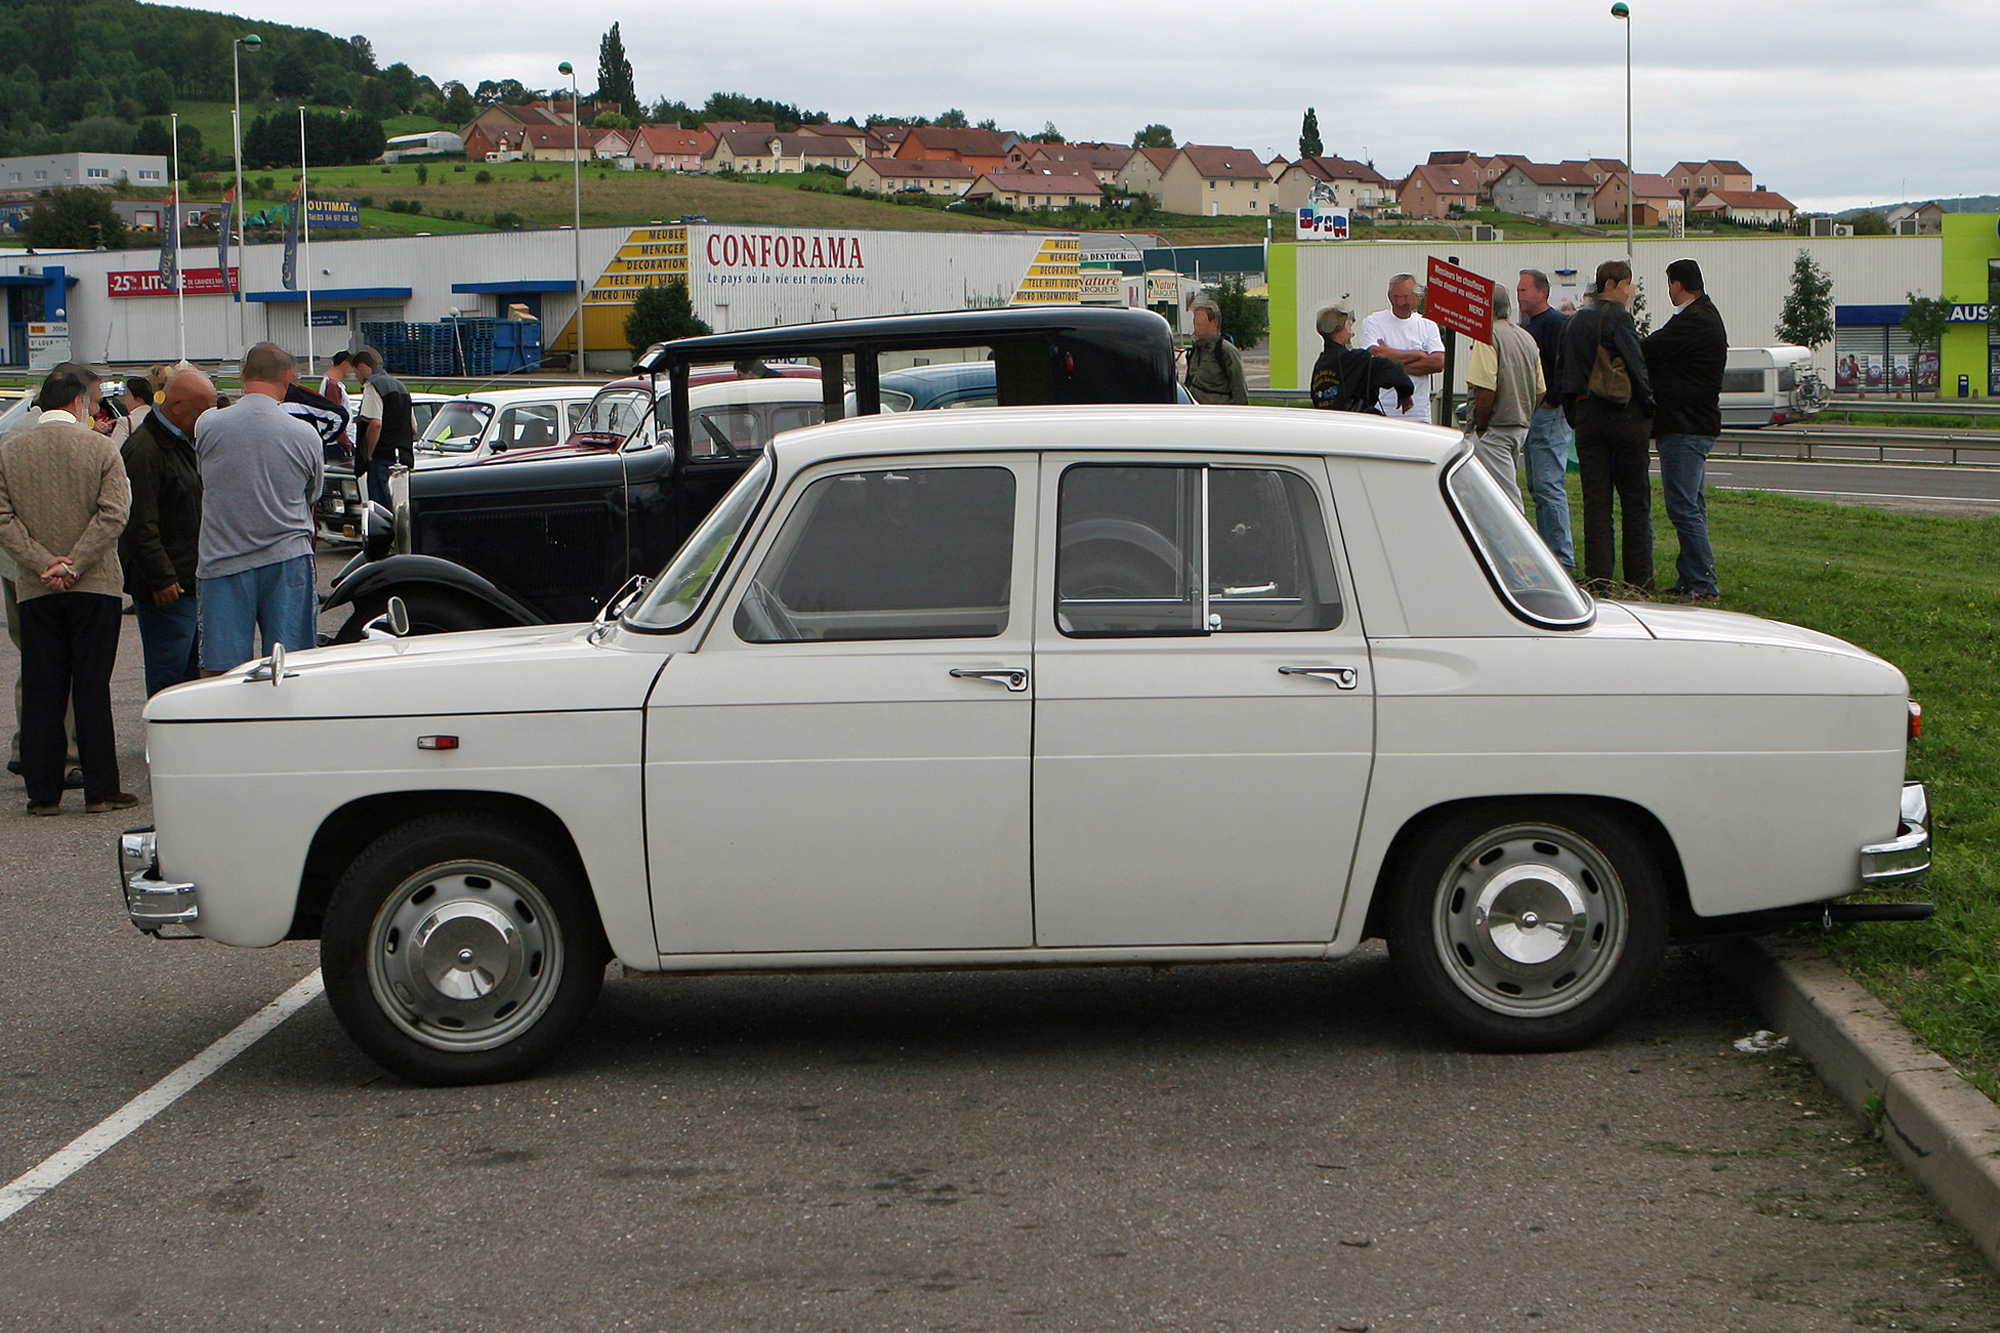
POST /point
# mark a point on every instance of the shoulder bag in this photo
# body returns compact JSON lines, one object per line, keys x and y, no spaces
{"x":1610,"y":384}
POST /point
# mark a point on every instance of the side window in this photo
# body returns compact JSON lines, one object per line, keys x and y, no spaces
{"x":1134,"y":555}
{"x":794,"y":416}
{"x":531,"y":426}
{"x":577,"y":414}
{"x":723,"y":430}
{"x":913,"y":553}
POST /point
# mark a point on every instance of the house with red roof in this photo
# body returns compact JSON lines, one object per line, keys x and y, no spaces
{"x":1434,"y":190}
{"x":1144,"y":171}
{"x":1036,"y":189}
{"x":1552,"y":191}
{"x":890,"y":175}
{"x":1351,"y":184}
{"x":982,"y":150}
{"x":669,"y":147}
{"x":1211,"y":180}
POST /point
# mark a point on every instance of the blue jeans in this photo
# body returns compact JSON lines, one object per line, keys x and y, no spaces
{"x":377,"y":473}
{"x":1683,"y":467}
{"x":1548,"y":460}
{"x":171,"y":637}
{"x":280,"y":599}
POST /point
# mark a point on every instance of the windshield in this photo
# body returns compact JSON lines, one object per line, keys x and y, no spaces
{"x":1527,"y":576}
{"x":457,"y":427}
{"x":616,"y":413}
{"x":14,"y":415}
{"x":677,"y":594}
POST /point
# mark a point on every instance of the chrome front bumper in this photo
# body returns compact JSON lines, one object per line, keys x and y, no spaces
{"x":1904,"y":860}
{"x":151,"y":902}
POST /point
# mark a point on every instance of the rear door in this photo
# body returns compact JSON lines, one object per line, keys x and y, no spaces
{"x":1204,"y":715}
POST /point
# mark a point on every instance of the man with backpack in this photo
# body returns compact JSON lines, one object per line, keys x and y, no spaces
{"x":1351,"y":379}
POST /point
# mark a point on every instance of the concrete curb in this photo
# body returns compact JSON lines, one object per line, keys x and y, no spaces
{"x":1942,"y":1129}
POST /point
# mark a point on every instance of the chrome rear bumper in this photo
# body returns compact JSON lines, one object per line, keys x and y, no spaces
{"x":151,"y":902}
{"x":1904,"y":860}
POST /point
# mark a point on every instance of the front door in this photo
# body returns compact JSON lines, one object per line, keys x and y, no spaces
{"x":1204,"y":721}
{"x":842,"y":764}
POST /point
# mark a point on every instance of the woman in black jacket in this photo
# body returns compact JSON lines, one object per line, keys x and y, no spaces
{"x":1612,"y":438}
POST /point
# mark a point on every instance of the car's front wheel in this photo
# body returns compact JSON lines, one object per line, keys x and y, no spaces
{"x":461,"y":949}
{"x":1527,"y":925}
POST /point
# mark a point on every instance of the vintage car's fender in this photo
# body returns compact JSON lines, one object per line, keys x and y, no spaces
{"x":397,"y":575}
{"x":246,"y":774}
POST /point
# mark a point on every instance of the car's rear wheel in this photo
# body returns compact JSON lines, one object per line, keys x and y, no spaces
{"x":461,"y":949}
{"x":1528,"y":925}
{"x":430,"y":613}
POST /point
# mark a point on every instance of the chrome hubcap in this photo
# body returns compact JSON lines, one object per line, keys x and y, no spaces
{"x":465,"y":956}
{"x":1530,"y":920}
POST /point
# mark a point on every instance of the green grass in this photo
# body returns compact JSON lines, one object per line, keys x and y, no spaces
{"x":1941,"y":420}
{"x":1922,"y":592}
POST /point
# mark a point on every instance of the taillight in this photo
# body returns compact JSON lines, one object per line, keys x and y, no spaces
{"x":1916,"y":720}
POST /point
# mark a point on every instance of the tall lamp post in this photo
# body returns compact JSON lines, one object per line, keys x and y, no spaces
{"x":236,"y":48}
{"x":576,"y":169}
{"x":1623,"y":12}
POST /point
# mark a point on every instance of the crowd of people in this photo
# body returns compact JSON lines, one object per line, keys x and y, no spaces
{"x":199,"y":510}
{"x":1550,"y":377}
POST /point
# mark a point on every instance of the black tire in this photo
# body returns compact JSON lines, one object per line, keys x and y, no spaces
{"x":431,"y":612}
{"x":461,"y":949}
{"x":1527,"y":925}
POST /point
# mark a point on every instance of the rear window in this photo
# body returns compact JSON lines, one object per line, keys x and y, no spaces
{"x":1527,"y":577}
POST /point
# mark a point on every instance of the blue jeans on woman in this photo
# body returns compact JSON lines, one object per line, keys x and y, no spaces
{"x":1683,"y":472}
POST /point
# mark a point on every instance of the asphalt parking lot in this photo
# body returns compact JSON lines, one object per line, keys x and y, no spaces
{"x":1254,"y":1147}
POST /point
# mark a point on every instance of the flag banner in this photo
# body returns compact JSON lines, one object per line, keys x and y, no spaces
{"x":170,"y":242}
{"x":289,"y":275}
{"x":222,"y":230}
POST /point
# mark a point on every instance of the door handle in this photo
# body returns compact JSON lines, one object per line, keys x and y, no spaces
{"x":1014,"y":678}
{"x":1344,"y":677}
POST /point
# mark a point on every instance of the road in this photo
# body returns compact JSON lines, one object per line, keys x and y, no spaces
{"x":1920,"y":489}
{"x":1256,"y":1147}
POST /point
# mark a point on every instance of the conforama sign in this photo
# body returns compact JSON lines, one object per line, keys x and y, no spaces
{"x":772,"y":250}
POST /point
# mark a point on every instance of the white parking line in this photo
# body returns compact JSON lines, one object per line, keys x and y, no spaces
{"x":107,"y":1133}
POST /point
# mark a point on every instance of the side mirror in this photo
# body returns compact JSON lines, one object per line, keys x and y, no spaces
{"x":399,"y":618}
{"x":378,"y":531}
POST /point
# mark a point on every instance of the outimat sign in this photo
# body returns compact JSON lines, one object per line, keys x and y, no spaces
{"x":1457,"y":298}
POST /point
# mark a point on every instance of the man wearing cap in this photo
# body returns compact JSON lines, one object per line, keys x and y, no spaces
{"x":1349,"y":379}
{"x":63,"y":502}
{"x":1686,"y":358}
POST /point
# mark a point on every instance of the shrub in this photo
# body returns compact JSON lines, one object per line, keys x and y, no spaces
{"x":460,"y":166}
{"x":505,"y":221}
{"x":484,"y":177}
{"x":366,"y":201}
{"x":423,"y":174}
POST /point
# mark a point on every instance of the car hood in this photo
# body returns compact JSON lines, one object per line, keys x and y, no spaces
{"x":533,"y":669}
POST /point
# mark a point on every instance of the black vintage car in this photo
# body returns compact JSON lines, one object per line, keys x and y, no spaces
{"x":547,"y":538}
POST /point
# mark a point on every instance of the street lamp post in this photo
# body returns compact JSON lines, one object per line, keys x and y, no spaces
{"x":576,"y":170}
{"x":253,"y":42}
{"x":1623,"y":12}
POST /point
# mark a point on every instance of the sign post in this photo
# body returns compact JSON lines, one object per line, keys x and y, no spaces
{"x":1458,"y":301}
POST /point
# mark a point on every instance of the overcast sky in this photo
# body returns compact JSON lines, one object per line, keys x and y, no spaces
{"x":1832,"y":103}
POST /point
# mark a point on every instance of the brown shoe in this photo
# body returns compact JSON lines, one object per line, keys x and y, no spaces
{"x":118,"y":800}
{"x":44,"y":807}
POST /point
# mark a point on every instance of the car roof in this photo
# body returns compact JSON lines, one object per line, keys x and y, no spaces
{"x":948,"y":328}
{"x":504,"y":397}
{"x":1149,"y":428}
{"x":777,"y":389}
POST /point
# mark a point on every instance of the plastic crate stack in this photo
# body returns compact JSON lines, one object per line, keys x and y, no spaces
{"x":475,"y":342}
{"x":391,"y":339}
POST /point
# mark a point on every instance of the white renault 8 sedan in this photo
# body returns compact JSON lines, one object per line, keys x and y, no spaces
{"x":1040,"y":686}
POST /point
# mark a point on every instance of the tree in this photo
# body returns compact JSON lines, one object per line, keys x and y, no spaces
{"x":1245,"y":319}
{"x":1049,"y":134}
{"x":153,"y":89}
{"x":1309,"y":144}
{"x":614,"y":73}
{"x":292,"y":78}
{"x":954,"y":119}
{"x":361,"y":52}
{"x":1154,"y":136}
{"x":1807,"y":319}
{"x":669,"y":111}
{"x":1871,"y":222}
{"x":458,"y":108}
{"x":1925,"y":321}
{"x":79,"y":219}
{"x":662,"y":313}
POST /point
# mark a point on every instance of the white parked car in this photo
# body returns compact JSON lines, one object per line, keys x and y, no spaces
{"x":479,"y":425}
{"x":1040,"y":687}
